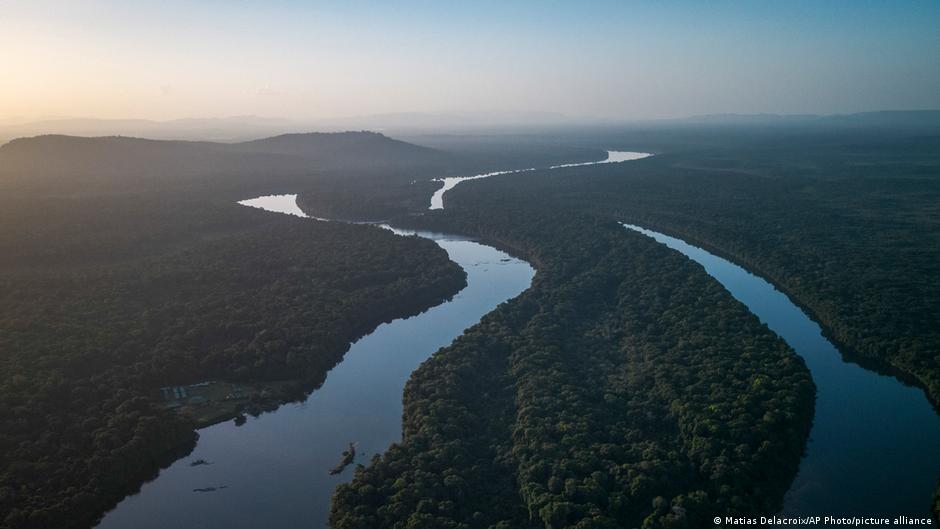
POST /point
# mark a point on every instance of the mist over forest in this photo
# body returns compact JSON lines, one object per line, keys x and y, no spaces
{"x":481,"y":265}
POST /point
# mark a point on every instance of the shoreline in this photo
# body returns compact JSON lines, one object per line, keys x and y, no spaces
{"x":849,"y":355}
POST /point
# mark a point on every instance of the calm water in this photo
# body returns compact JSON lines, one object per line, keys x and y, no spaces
{"x":874,"y":448}
{"x":437,"y":199}
{"x":275,"y":467}
{"x":875,"y":444}
{"x":272,"y":471}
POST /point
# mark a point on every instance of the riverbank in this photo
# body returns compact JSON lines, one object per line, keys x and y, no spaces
{"x":580,"y":350}
{"x":850,"y":399}
{"x":881,"y":367}
{"x":211,"y":402}
{"x":359,"y":399}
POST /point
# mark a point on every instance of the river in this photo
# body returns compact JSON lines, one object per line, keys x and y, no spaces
{"x":272,"y":471}
{"x":874,"y":448}
{"x":437,"y":199}
{"x":275,"y":467}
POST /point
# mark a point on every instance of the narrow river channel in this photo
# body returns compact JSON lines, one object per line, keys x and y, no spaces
{"x":875,"y":444}
{"x":437,"y":199}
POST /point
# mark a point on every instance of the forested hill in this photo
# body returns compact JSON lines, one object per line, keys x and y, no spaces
{"x":349,"y":149}
{"x":347,"y":175}
{"x":131,"y":158}
{"x":115,"y":160}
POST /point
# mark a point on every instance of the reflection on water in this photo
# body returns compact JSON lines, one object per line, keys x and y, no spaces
{"x":275,"y":467}
{"x":286,"y":204}
{"x":437,"y":199}
{"x":874,"y":448}
{"x":875,"y":444}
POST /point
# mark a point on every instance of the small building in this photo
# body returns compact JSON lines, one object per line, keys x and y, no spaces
{"x":173,"y":393}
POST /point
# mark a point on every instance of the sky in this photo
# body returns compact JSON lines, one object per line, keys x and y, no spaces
{"x":172,"y":59}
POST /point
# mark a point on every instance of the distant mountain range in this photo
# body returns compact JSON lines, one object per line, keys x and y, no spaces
{"x":242,"y":128}
{"x":237,"y":128}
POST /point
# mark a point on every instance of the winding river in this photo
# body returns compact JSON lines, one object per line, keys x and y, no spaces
{"x":875,"y":445}
{"x":874,"y":448}
{"x":275,"y":467}
{"x":272,"y":472}
{"x":437,"y":199}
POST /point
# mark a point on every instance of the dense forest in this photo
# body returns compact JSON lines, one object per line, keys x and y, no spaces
{"x":86,"y":349}
{"x":125,"y":266}
{"x":626,"y":388}
{"x":115,"y":284}
{"x":846,"y":222}
{"x":401,"y":192}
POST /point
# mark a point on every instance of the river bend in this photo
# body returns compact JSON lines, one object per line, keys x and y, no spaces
{"x":874,"y":447}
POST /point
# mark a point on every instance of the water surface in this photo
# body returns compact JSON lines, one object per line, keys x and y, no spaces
{"x":272,"y":472}
{"x":874,"y":448}
{"x":274,"y":469}
{"x":437,"y":199}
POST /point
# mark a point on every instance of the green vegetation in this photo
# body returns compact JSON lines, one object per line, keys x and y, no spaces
{"x":114,"y":284}
{"x":85,"y":349}
{"x":626,"y":388}
{"x":846,"y":222}
{"x":400,"y":192}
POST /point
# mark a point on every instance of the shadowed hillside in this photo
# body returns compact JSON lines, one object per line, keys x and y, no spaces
{"x":117,"y":160}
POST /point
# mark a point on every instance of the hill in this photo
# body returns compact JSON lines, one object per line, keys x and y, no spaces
{"x":356,"y":149}
{"x":56,"y":156}
{"x":235,"y":128}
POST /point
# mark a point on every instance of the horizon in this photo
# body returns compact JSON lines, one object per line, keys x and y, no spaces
{"x":316,"y":61}
{"x":235,"y":129}
{"x":580,"y":119}
{"x":477,"y":265}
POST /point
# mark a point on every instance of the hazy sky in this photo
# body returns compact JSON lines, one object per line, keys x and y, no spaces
{"x":168,"y":59}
